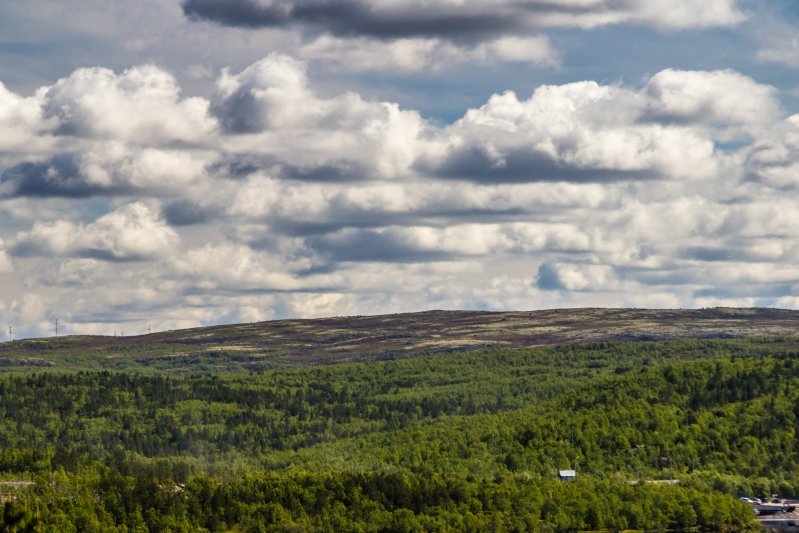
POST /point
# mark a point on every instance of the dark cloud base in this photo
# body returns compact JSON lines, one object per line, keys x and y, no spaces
{"x":349,"y":18}
{"x":184,"y":212}
{"x":372,"y":246}
{"x":60,"y":176}
{"x":473,"y":163}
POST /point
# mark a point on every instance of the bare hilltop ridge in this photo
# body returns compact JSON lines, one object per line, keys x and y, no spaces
{"x":329,"y":340}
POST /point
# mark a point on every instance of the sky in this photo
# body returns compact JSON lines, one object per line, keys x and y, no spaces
{"x":175,"y":163}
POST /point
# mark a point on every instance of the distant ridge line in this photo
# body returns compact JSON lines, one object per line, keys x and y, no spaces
{"x":365,"y":337}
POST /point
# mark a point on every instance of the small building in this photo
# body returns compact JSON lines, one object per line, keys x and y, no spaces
{"x":566,"y":475}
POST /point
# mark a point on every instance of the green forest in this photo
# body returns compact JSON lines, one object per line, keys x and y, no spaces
{"x":468,"y":441}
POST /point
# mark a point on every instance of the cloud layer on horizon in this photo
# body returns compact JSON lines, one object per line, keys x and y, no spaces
{"x":272,"y":198}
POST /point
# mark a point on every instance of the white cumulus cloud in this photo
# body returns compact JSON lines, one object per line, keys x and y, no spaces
{"x":131,"y":233}
{"x":142,"y":104}
{"x":425,"y":54}
{"x":6,"y":266}
{"x":270,"y":109}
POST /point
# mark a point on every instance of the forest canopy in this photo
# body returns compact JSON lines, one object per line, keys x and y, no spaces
{"x":471,"y":441}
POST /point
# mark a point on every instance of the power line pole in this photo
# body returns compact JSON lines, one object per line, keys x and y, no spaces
{"x":56,"y":327}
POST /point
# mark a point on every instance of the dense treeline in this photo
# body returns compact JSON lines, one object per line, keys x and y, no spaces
{"x":204,"y":416}
{"x":728,"y":417}
{"x":466,"y":441}
{"x":103,"y":500}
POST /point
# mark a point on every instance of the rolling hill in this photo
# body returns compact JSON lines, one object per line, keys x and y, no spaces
{"x":357,"y":338}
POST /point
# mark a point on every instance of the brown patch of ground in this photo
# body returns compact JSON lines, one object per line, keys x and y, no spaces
{"x":400,"y":335}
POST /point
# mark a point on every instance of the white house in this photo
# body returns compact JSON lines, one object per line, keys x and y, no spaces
{"x":566,"y":475}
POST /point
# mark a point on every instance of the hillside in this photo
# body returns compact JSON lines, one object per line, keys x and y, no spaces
{"x":328,"y":340}
{"x":436,"y":421}
{"x":469,"y":441}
